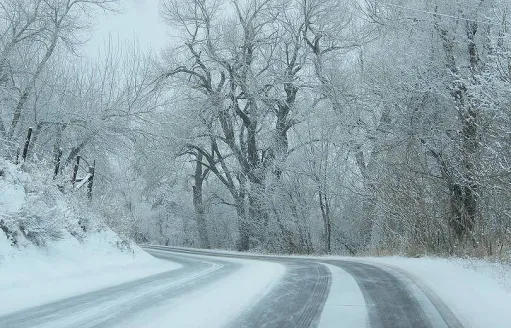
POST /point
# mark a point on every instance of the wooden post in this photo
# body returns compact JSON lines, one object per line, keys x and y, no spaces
{"x":75,"y":170}
{"x":27,"y":143}
{"x":57,"y":158}
{"x":91,"y":181}
{"x":18,"y":151}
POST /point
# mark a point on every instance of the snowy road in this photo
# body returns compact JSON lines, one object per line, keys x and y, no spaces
{"x":233,"y":290}
{"x":108,"y":306}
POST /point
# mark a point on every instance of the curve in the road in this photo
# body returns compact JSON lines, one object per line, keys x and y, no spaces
{"x":390,"y":301}
{"x":295,"y":302}
{"x":112,"y":305}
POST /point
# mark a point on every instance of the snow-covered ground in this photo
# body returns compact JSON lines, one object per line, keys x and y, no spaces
{"x":35,"y":276}
{"x":218,"y":303}
{"x":478,"y":292}
{"x":51,"y":247}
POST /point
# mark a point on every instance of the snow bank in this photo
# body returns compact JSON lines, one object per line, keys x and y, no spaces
{"x":35,"y":276}
{"x":478,"y":292}
{"x":52,"y":247}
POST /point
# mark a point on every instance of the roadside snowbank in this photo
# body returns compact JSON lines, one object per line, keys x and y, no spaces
{"x":478,"y":292}
{"x":35,"y":276}
{"x":51,"y":247}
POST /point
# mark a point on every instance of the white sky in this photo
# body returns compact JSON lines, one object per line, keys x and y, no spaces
{"x":139,"y":20}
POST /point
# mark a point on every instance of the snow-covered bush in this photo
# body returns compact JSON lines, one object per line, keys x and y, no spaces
{"x":34,"y":211}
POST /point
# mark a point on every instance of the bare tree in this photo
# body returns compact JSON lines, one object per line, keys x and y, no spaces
{"x":39,"y":26}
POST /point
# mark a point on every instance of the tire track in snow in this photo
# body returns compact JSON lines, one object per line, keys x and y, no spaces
{"x":295,"y":302}
{"x":111,"y":305}
{"x":443,"y":310}
{"x":390,"y":302}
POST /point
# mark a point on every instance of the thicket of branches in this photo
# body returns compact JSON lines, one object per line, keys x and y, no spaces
{"x":306,"y":126}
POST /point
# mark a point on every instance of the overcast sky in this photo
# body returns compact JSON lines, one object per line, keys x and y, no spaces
{"x":139,"y":20}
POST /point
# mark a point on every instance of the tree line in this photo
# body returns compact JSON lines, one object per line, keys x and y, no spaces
{"x":305,"y":126}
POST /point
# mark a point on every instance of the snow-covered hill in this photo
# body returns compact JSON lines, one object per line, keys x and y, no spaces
{"x":51,"y":246}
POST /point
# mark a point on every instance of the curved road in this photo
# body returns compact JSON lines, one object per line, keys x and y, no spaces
{"x":392,"y":298}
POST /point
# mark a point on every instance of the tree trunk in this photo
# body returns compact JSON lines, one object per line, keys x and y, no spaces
{"x":35,"y":137}
{"x":325,"y":213}
{"x":198,"y":203}
{"x":464,"y":194}
{"x":243,"y":243}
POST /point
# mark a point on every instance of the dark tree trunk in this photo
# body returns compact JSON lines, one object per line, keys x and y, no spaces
{"x":369,"y":201}
{"x":325,"y":213}
{"x":35,"y":137}
{"x":243,"y":243}
{"x":198,"y":203}
{"x":464,"y":193}
{"x":17,"y":113}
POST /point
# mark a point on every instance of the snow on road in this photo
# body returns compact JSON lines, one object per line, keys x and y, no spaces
{"x":35,"y":276}
{"x":477,"y":292}
{"x":53,"y":247}
{"x":218,"y":303}
{"x":345,"y":301}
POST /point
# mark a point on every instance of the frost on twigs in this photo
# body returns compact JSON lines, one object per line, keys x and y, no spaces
{"x":33,"y":211}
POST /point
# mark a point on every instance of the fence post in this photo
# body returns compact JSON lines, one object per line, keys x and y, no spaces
{"x":57,"y":158}
{"x":75,"y":170}
{"x":18,"y":151}
{"x":27,"y":143}
{"x":91,"y":180}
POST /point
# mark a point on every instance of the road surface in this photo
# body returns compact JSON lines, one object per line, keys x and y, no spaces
{"x":308,"y":293}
